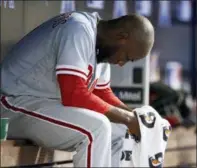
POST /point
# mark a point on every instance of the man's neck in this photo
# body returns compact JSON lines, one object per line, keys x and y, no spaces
{"x":102,"y":29}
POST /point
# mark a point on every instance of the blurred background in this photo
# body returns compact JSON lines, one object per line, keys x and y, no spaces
{"x":171,"y":64}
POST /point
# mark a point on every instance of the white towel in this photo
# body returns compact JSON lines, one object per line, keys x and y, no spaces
{"x":155,"y":131}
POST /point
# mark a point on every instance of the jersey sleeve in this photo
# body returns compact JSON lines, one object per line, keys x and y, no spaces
{"x":74,"y":51}
{"x":74,"y":93}
{"x":104,"y":78}
{"x":102,"y":88}
{"x":108,"y":96}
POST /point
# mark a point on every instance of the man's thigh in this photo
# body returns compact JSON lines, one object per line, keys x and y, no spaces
{"x":49,"y":123}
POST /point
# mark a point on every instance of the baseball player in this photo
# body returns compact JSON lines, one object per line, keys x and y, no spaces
{"x":56,"y":85}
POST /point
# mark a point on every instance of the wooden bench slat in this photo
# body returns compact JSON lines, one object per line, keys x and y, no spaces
{"x":18,"y":142}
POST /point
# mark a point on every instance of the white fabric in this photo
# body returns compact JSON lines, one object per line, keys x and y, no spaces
{"x":76,"y":47}
{"x":50,"y":124}
{"x":104,"y":75}
{"x":150,"y":150}
{"x":66,"y":41}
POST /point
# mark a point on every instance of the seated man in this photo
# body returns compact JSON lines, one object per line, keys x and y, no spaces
{"x":56,"y":84}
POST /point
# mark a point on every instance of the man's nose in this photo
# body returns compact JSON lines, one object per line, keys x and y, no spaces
{"x":121,"y":63}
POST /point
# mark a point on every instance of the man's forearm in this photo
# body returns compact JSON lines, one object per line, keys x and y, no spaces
{"x":119,"y":115}
{"x":108,"y":96}
{"x":125,"y":107}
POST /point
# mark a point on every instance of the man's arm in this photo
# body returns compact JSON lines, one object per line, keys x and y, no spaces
{"x":103,"y":89}
{"x":125,"y":107}
{"x":108,"y":96}
{"x":129,"y":119}
{"x":74,"y":92}
{"x":119,"y":110}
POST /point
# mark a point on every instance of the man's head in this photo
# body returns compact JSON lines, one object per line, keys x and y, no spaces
{"x":124,"y":39}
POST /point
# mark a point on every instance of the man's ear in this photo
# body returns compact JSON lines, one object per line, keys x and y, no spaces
{"x":122,"y":36}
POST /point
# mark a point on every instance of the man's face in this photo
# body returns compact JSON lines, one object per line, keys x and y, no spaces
{"x":121,"y":52}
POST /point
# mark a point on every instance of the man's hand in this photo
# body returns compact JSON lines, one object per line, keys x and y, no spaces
{"x":133,"y":126}
{"x":127,"y":118}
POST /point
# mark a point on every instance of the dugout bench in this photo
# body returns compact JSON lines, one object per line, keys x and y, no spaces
{"x":181,"y":150}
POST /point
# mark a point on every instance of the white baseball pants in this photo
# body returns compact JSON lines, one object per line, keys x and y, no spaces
{"x":97,"y":141}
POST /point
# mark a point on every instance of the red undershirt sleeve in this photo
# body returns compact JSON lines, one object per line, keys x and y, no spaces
{"x":74,"y":92}
{"x":108,"y":96}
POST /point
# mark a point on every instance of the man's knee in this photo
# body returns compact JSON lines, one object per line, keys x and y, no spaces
{"x":104,"y":128}
{"x":106,"y":125}
{"x":99,"y":120}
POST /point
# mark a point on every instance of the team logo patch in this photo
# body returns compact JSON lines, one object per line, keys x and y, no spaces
{"x":156,"y":161}
{"x":166,"y":132}
{"x":148,"y":119}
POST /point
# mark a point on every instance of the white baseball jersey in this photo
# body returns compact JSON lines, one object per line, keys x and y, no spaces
{"x":64,"y":44}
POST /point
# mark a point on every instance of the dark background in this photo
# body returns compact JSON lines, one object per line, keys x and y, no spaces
{"x":173,"y":42}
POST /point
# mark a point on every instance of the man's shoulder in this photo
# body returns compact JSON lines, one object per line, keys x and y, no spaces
{"x":89,"y":20}
{"x":86,"y":17}
{"x":82,"y":24}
